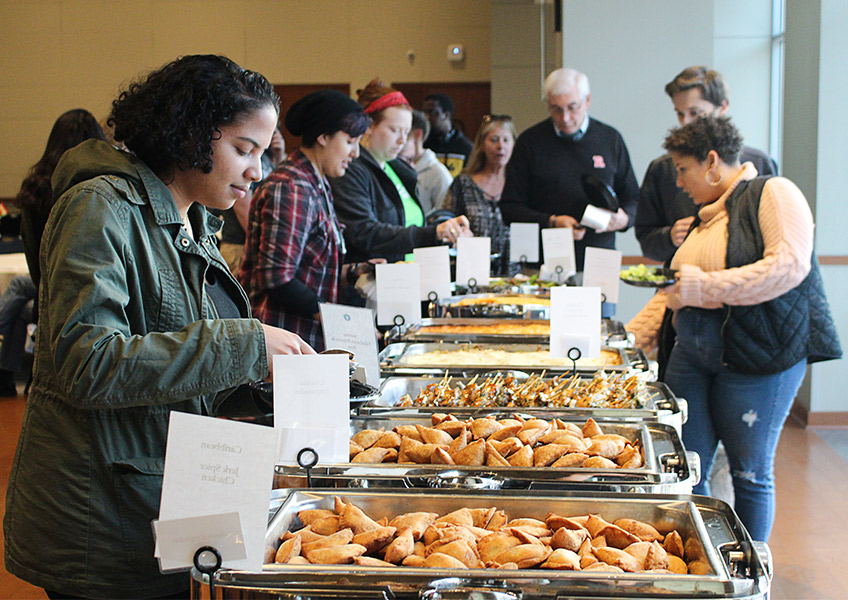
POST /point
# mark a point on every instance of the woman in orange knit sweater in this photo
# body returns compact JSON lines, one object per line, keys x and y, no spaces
{"x":749,"y":311}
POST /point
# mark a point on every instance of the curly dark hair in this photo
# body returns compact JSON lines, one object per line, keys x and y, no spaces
{"x":70,"y":129}
{"x":704,"y":134}
{"x":170,"y":118}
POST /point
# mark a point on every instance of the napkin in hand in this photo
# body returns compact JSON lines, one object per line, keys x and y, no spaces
{"x":596,"y":218}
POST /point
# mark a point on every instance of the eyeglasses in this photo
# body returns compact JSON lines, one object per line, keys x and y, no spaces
{"x":499,"y":118}
{"x":571,"y":109}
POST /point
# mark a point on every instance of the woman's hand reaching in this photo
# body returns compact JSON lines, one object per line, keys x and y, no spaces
{"x":452,"y":229}
{"x":280,"y":341}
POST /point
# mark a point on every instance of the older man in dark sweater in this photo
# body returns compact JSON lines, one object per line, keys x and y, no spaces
{"x":544,"y":175}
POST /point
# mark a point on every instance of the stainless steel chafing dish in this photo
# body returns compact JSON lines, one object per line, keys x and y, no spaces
{"x":612,"y":332}
{"x":667,"y":467}
{"x":519,"y":284}
{"x":495,"y":305}
{"x":395,"y":359}
{"x":660,"y":404}
{"x":739,"y":568}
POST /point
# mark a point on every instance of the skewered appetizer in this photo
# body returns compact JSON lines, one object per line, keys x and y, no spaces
{"x":476,"y":538}
{"x":513,"y":442}
{"x":564,"y":391}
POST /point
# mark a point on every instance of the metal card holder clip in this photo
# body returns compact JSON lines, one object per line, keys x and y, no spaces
{"x":574,"y":355}
{"x":207,"y":560}
{"x":396,"y":331}
{"x":433,"y":304}
{"x":307,"y":458}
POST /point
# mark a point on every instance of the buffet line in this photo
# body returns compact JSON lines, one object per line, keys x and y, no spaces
{"x":483,"y":467}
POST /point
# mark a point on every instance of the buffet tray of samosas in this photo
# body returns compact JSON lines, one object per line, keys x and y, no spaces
{"x":506,"y":451}
{"x":505,"y":545}
{"x":460,"y":358}
{"x":626,"y":396}
{"x":536,"y":331}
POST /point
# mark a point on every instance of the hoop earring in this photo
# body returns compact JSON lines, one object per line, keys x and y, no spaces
{"x":714,"y":183}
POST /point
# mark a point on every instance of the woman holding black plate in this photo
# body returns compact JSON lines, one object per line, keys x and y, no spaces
{"x":749,"y":311}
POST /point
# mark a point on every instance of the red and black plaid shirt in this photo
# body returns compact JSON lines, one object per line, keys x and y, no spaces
{"x":293,"y":233}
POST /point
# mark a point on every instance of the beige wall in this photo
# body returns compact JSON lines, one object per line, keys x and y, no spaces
{"x":814,"y":121}
{"x":61,"y":54}
{"x":517,"y":69}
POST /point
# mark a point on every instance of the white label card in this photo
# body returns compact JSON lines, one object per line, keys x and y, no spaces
{"x":179,"y":539}
{"x":398,"y":293}
{"x":352,"y":328}
{"x":434,"y":269}
{"x":524,"y":242}
{"x":473,"y":260}
{"x":558,"y":250}
{"x":214,"y":467}
{"x":576,"y":321}
{"x":312,"y":406}
{"x":602,"y":268}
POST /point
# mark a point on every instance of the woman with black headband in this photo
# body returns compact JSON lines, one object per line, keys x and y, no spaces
{"x":295,"y":248}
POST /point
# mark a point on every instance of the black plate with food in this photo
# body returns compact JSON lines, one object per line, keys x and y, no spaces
{"x":649,"y":277}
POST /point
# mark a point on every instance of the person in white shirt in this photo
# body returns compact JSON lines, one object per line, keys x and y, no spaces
{"x":434,"y":179}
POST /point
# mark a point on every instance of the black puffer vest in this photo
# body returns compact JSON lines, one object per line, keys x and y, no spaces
{"x":772,"y":336}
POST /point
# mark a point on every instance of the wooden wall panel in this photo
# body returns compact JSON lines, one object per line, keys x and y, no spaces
{"x":471,"y":100}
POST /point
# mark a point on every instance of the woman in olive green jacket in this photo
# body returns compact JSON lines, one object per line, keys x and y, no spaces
{"x":139,"y":316}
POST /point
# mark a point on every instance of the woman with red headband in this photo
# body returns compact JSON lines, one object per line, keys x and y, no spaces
{"x":375,"y":199}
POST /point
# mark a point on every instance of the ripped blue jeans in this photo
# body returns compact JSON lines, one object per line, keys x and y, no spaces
{"x":745,"y":412}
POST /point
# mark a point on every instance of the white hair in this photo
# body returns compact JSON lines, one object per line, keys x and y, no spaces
{"x":563,"y":80}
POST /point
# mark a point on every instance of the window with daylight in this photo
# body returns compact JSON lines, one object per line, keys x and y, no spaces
{"x":778,"y":42}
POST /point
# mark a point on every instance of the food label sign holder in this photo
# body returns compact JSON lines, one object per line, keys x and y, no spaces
{"x":524,"y":242}
{"x":558,"y":252}
{"x":398,"y":293}
{"x":473,"y":260}
{"x":352,"y":328}
{"x":434,"y":271}
{"x":575,"y":322}
{"x":217,"y":477}
{"x":313,"y":392}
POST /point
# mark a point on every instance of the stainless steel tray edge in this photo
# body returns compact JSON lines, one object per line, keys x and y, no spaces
{"x":739,"y":571}
{"x":391,"y":354}
{"x":668,"y":469}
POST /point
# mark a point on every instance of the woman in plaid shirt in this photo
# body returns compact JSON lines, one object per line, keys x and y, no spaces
{"x":295,"y":251}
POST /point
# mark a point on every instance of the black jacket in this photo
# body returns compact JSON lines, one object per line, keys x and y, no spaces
{"x":370,"y":208}
{"x":662,"y":203}
{"x":772,"y":336}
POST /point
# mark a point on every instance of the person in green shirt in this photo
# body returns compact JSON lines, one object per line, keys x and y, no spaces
{"x":376,"y":199}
